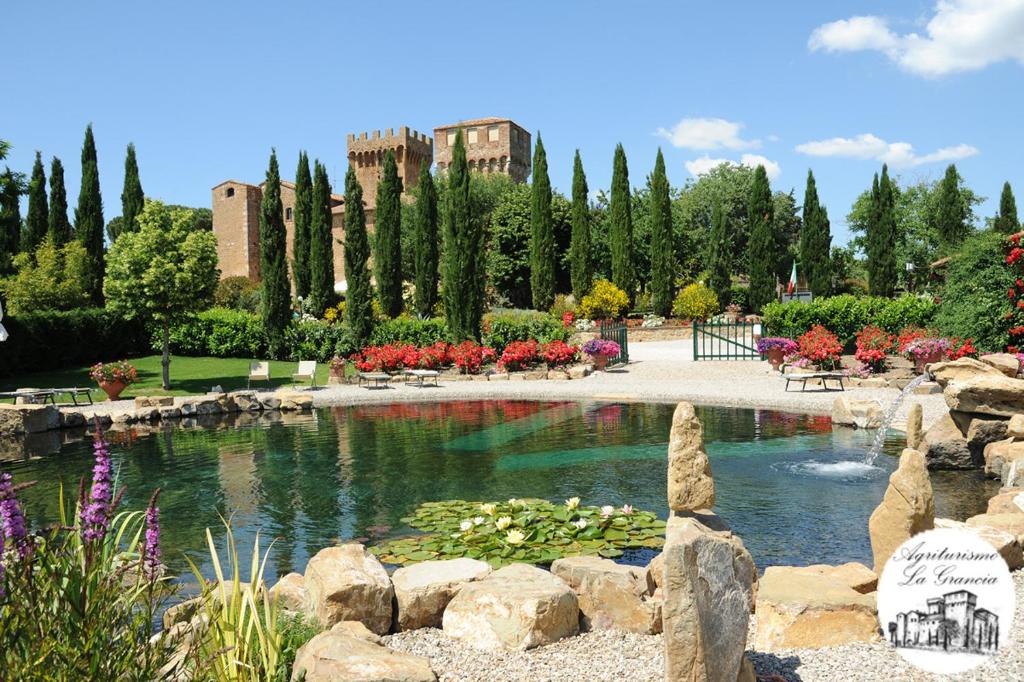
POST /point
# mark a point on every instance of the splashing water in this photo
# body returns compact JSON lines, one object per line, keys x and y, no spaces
{"x":843,"y":470}
{"x":890,"y":414}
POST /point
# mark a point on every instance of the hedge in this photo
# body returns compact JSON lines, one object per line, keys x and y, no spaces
{"x":503,"y":327}
{"x":410,"y":330}
{"x":54,"y":339}
{"x":846,"y":315}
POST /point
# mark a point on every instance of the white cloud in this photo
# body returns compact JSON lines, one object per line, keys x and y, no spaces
{"x":897,"y":154}
{"x":707,"y":133}
{"x":705,"y":164}
{"x":962,"y":35}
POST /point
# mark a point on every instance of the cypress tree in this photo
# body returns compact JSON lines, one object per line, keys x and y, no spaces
{"x":815,"y":241}
{"x":89,"y":216}
{"x":821,"y":279}
{"x":662,"y":267}
{"x":542,"y":236}
{"x":57,"y":222}
{"x":1006,"y":220}
{"x":951,"y":210}
{"x":719,"y":254}
{"x":761,"y":248}
{"x":426,"y":241}
{"x":580,"y":265}
{"x":621,"y":230}
{"x":460,"y":270}
{"x":12,"y":186}
{"x":303,"y":225}
{"x":132,"y":198}
{"x":387,"y":251}
{"x":881,"y":237}
{"x":36,"y":220}
{"x":321,"y":243}
{"x":275,"y":304}
{"x":359,"y":297}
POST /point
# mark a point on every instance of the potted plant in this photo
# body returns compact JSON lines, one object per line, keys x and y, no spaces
{"x":113,"y":377}
{"x":337,"y":370}
{"x":926,"y":350}
{"x":776,"y":348}
{"x":600,"y":351}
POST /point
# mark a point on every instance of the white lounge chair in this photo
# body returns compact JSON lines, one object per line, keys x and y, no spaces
{"x":259,"y":370}
{"x":306,"y":370}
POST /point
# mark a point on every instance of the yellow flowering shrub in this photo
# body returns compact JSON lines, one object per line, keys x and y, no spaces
{"x":604,"y":302}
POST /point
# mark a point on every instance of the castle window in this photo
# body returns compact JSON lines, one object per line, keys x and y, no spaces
{"x":471,"y":136}
{"x":229,"y":192}
{"x":451,"y":137}
{"x":288,"y":213}
{"x":492,"y":134}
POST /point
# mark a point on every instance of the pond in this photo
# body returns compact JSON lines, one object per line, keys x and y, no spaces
{"x":788,"y":484}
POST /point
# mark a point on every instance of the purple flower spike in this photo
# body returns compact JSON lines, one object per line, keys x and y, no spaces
{"x":151,"y":550}
{"x":12,"y":518}
{"x":96,"y":512}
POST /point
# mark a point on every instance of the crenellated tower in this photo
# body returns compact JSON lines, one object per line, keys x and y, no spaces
{"x":366,"y":154}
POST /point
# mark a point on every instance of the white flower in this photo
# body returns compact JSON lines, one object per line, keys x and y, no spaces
{"x":607,"y":510}
{"x":572,"y":502}
{"x":488,"y":509}
{"x":503,"y":522}
{"x":465,"y":525}
{"x":478,"y":520}
{"x":515,"y":537}
{"x":580,"y":523}
{"x":627,"y":509}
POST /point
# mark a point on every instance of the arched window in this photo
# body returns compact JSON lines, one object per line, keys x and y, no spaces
{"x":229,"y":192}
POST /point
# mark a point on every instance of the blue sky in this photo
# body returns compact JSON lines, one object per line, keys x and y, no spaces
{"x":204,"y":90}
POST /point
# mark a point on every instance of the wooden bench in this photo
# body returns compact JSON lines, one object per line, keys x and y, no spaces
{"x":378,"y":379}
{"x":825,"y":377}
{"x":418,"y":376}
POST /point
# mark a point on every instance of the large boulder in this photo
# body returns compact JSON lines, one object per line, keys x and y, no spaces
{"x":706,"y":604}
{"x":517,"y":607}
{"x":981,"y":430}
{"x":346,"y":582}
{"x":17,"y":420}
{"x":611,"y":595}
{"x":423,"y":590}
{"x":960,"y":370}
{"x":856,"y":576}
{"x":945,"y":446}
{"x":908,"y":508}
{"x":915,"y":431}
{"x":292,"y":401}
{"x":690,"y":485}
{"x":1012,"y":473}
{"x":290,"y":593}
{"x":807,"y":610}
{"x":995,"y":394}
{"x":1007,"y":502}
{"x":859,"y":413}
{"x":1007,"y":544}
{"x":1008,"y":523}
{"x":1007,"y":363}
{"x":332,"y":656}
{"x":1015,"y":427}
{"x":997,"y":454}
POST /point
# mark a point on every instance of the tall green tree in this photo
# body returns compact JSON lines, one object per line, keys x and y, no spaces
{"x":815,"y":242}
{"x":1006,"y":220}
{"x":132,"y":197}
{"x":57,"y":222}
{"x":89,"y":215}
{"x":426,"y":242}
{"x":621,"y":228}
{"x":580,"y":262}
{"x":387,"y":252}
{"x":36,"y":220}
{"x":12,"y":186}
{"x":762,"y":246}
{"x":275,"y":302}
{"x":662,"y":261}
{"x":359,"y":296}
{"x":303,"y":218}
{"x":951,"y":210}
{"x":461,"y":276}
{"x":881,"y":236}
{"x":719,"y":254}
{"x":542,"y":236}
{"x":321,"y":243}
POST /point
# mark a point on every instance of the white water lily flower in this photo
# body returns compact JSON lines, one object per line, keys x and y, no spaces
{"x":503,"y":522}
{"x":465,"y":525}
{"x":478,"y":521}
{"x":515,"y":537}
{"x":580,"y":523}
{"x":627,"y":509}
{"x":607,"y":510}
{"x":488,"y":509}
{"x":572,"y":502}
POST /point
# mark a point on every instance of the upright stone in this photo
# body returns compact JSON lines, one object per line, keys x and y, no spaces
{"x":690,"y":486}
{"x":907,"y":508}
{"x":348,"y":583}
{"x":914,"y":428}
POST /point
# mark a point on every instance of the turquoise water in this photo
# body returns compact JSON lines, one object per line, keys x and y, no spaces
{"x":788,"y":484}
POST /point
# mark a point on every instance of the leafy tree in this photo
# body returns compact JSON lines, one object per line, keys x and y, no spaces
{"x":881,"y":237}
{"x":815,"y":242}
{"x":620,"y":235}
{"x":12,"y":186}
{"x":89,"y":215}
{"x":974,"y":300}
{"x":786,"y":227}
{"x":359,"y":297}
{"x":728,"y":184}
{"x":49,"y":278}
{"x":582,"y":273}
{"x":542,"y":238}
{"x":321,"y":243}
{"x":275,"y":307}
{"x":1006,"y":220}
{"x":426,"y":242}
{"x":132,"y":198}
{"x":387,"y":253}
{"x":303,"y":225}
{"x":36,"y":220}
{"x":951,"y":216}
{"x":662,"y":267}
{"x":461,"y":273}
{"x":719,"y":254}
{"x":164,"y":272}
{"x":761,"y":249}
{"x":57,"y":222}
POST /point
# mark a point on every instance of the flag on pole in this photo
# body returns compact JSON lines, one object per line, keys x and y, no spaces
{"x":792,"y":281}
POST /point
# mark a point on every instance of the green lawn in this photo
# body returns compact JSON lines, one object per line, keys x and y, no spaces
{"x":189,"y":376}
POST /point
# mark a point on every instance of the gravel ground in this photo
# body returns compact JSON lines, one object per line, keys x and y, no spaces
{"x":619,"y":656}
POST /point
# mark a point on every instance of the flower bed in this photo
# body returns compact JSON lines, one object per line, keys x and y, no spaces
{"x":873,"y":343}
{"x":820,"y":347}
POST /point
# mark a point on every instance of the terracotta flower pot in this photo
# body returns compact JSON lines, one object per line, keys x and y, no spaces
{"x":775,"y":357}
{"x":113,"y":388}
{"x":600,"y":362}
{"x":922,"y":361}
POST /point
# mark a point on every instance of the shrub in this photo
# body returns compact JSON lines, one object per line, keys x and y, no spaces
{"x":470,"y":357}
{"x":695,"y":302}
{"x":821,"y":347}
{"x":519,"y":355}
{"x":980,"y":298}
{"x":405,"y":329}
{"x":503,"y":327}
{"x":238,"y":293}
{"x":559,"y":354}
{"x":564,"y":303}
{"x":846,"y":315}
{"x":739,"y":296}
{"x":317,"y":340}
{"x":220,"y":333}
{"x":873,"y":343}
{"x":604,"y":302}
{"x":51,"y":278}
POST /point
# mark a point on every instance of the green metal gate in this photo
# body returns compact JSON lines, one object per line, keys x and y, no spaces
{"x":616,"y":331}
{"x":726,"y":340}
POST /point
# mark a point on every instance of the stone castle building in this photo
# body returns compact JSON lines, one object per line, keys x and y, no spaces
{"x":493,"y":145}
{"x":953,"y":622}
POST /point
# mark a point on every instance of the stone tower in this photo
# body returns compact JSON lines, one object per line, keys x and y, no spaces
{"x":493,"y":145}
{"x":366,"y":154}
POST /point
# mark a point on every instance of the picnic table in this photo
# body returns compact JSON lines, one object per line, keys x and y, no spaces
{"x":378,"y":379}
{"x":418,"y":376}
{"x":825,"y":377}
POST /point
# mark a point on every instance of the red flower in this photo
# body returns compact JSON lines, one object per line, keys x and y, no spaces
{"x":559,"y":353}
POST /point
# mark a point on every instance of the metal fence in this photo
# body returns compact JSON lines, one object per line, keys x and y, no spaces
{"x":726,"y":340}
{"x":617,"y":332}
